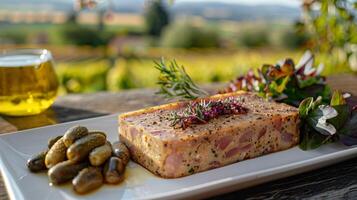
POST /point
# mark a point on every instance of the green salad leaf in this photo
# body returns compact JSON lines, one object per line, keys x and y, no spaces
{"x":349,"y":131}
{"x":324,"y":123}
{"x":285,"y":82}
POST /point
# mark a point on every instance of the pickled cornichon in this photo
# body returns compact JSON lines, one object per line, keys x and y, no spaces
{"x":100,"y":154}
{"x":98,"y":132}
{"x":81,"y":148}
{"x":52,"y":141}
{"x":37,"y":162}
{"x":87,"y":180}
{"x":65,"y":171}
{"x":84,"y":157}
{"x":56,"y":154}
{"x":114,"y":170}
{"x":74,"y":134}
{"x":121,"y":151}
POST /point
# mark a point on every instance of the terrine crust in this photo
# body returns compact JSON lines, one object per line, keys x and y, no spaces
{"x":172,"y":153}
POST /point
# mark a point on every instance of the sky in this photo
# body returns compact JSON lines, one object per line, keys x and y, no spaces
{"x":292,"y":3}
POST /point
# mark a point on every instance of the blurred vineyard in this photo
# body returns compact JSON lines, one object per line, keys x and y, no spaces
{"x":138,"y":72}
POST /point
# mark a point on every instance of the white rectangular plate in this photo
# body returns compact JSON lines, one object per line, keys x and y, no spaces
{"x":16,"y":148}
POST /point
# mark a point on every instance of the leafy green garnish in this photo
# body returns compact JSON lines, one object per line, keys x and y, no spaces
{"x":285,"y":82}
{"x":311,"y":139}
{"x":337,"y":99}
{"x":305,"y":106}
{"x":176,"y":83}
{"x":349,"y":131}
{"x":323,"y":123}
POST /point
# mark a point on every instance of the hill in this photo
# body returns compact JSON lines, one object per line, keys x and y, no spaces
{"x":209,"y":10}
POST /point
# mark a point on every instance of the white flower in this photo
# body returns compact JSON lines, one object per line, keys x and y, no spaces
{"x":327,"y":113}
{"x":307,"y":60}
{"x":308,"y":67}
{"x":304,"y":59}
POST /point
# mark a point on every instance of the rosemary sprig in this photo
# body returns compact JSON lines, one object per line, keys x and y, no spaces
{"x":176,"y":83}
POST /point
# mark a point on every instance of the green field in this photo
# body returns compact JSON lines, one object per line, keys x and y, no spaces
{"x":202,"y":66}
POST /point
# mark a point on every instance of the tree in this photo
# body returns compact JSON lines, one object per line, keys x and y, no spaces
{"x":156,"y":17}
{"x":186,"y":35}
{"x":333,"y":27}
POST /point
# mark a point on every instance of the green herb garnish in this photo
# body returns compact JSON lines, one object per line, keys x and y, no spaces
{"x":324,"y":123}
{"x":285,"y":81}
{"x":176,"y":83}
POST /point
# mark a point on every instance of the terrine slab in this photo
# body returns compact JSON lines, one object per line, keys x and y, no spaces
{"x":15,"y":148}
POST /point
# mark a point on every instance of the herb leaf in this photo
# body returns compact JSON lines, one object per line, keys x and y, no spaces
{"x":342,"y":117}
{"x":349,"y":131}
{"x":305,"y":106}
{"x":311,"y":139}
{"x":323,"y":123}
{"x":285,"y":82}
{"x":176,"y":83}
{"x":337,"y":99}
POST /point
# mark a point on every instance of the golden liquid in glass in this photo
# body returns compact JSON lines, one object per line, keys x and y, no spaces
{"x":28,"y":84}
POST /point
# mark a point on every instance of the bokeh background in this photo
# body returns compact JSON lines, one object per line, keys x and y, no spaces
{"x":110,"y":45}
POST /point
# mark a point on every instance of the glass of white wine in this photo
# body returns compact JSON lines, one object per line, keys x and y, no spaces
{"x":28,"y":82}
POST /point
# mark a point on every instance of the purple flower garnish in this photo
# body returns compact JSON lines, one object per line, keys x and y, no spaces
{"x":203,"y":111}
